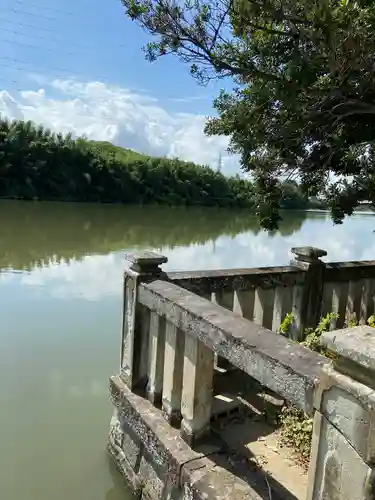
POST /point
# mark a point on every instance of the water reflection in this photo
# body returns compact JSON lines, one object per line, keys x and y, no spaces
{"x":60,"y":318}
{"x":37,"y":234}
{"x":76,"y":250}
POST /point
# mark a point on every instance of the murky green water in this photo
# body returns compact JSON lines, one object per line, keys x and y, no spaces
{"x":60,"y":308}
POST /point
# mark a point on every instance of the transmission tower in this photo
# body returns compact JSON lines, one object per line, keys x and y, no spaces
{"x":219,"y":163}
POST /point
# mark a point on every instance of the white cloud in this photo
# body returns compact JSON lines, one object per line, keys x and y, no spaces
{"x":126,"y":118}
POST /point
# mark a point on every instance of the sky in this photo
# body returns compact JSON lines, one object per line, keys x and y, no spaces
{"x":79,"y":67}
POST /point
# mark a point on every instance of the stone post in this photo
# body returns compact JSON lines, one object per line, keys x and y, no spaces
{"x":173,"y":373}
{"x":343,"y":445}
{"x":197,"y":388}
{"x":307,"y":301}
{"x":136,"y":318}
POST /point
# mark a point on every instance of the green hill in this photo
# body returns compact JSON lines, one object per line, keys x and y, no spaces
{"x":121,"y":154}
{"x":38,"y":164}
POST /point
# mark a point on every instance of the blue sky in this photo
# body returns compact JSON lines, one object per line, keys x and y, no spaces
{"x":91,"y":41}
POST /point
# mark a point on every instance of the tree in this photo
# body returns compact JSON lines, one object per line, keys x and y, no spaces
{"x":292,"y":198}
{"x":37,"y":164}
{"x":303,"y":106}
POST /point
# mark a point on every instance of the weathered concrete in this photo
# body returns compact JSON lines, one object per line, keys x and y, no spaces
{"x":171,"y":333}
{"x":353,"y":344}
{"x":159,"y":465}
{"x":173,"y":373}
{"x":308,"y":310}
{"x":156,"y":358}
{"x":136,"y":319}
{"x":197,"y":390}
{"x":349,"y":271}
{"x":340,"y":473}
{"x":343,"y":448}
{"x":285,"y":367}
{"x":317,"y":287}
{"x":203,"y":282}
{"x":308,"y":255}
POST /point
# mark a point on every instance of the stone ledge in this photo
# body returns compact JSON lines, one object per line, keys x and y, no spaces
{"x":204,"y":479}
{"x":336,"y":272}
{"x":228,"y":280}
{"x":161,"y":441}
{"x":208,"y":472}
{"x":356,"y":344}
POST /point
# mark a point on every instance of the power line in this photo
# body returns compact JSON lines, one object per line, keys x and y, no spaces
{"x":25,"y":25}
{"x":49,"y":69}
{"x":73,"y":79}
{"x":41,"y":37}
{"x":38,"y":6}
{"x":33,"y":14}
{"x":30,"y":45}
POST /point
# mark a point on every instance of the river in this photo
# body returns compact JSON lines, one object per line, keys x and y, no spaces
{"x":60,"y":311}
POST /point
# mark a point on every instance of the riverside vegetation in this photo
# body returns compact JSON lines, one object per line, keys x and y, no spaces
{"x":36,"y":164}
{"x":297,"y":427}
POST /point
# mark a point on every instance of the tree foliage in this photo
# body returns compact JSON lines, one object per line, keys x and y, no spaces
{"x":304,"y":102}
{"x":36,"y":164}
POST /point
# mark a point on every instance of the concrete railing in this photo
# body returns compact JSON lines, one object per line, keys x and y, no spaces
{"x":308,"y":288}
{"x":187,"y":330}
{"x":349,"y":289}
{"x":171,"y":336}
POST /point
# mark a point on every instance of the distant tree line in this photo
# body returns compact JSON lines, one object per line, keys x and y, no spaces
{"x":36,"y":164}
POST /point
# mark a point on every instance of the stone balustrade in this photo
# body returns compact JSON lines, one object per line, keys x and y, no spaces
{"x":308,"y":288}
{"x":165,"y":396}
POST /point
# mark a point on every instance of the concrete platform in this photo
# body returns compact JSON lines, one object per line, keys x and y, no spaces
{"x":159,"y":465}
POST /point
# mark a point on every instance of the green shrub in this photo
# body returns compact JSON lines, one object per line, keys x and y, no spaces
{"x":296,"y":427}
{"x":296,"y":430}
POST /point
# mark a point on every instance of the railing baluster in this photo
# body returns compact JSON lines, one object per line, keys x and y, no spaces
{"x":337,"y":301}
{"x":279,"y":308}
{"x":327,"y":298}
{"x":353,"y":302}
{"x":173,"y":372}
{"x":297,"y":306}
{"x":258,"y":306}
{"x":156,"y":360}
{"x":371,"y":298}
{"x":365,"y":287}
{"x":224,"y":299}
{"x":263,"y":306}
{"x":196,"y":390}
{"x":243,"y":303}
